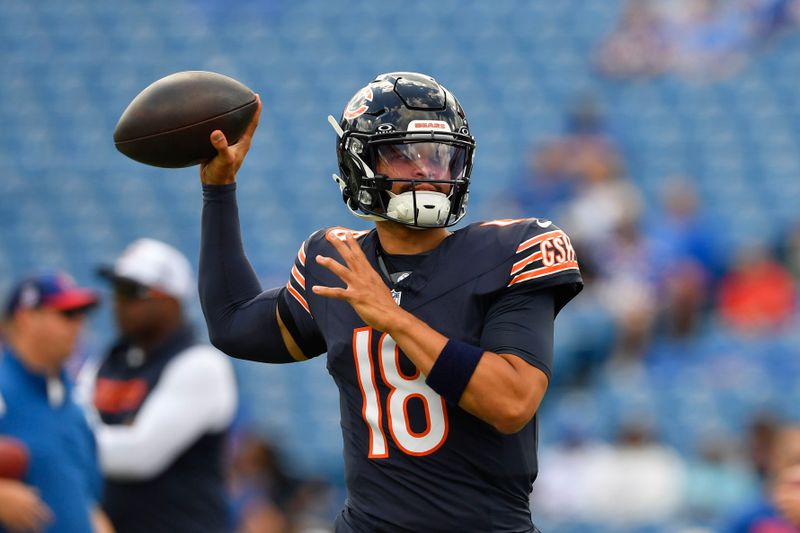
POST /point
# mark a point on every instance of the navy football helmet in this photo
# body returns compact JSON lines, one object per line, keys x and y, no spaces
{"x":405,"y":152}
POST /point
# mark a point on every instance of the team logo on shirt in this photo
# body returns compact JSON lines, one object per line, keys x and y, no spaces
{"x":396,"y":296}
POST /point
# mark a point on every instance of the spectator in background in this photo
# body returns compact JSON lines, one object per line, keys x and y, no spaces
{"x":759,"y":442}
{"x":759,"y":294}
{"x":574,"y":473}
{"x":164,"y":401}
{"x":771,"y":16}
{"x":779,"y":508}
{"x":706,"y":39}
{"x":61,"y":487}
{"x":266,"y":499}
{"x":688,"y":257}
{"x":680,"y":231}
{"x":580,"y":357}
{"x":643,"y":480}
{"x":628,"y":289}
{"x":555,"y":170}
{"x":605,"y":201}
{"x":254,"y":488}
{"x":638,"y":45}
{"x":717,"y":481}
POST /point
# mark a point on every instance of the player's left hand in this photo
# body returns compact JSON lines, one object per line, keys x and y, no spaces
{"x":365,"y":291}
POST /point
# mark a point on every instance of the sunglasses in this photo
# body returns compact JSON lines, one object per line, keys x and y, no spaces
{"x":131,"y":290}
{"x":73,"y":314}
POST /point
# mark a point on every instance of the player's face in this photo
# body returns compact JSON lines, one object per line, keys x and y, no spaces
{"x":425,"y":163}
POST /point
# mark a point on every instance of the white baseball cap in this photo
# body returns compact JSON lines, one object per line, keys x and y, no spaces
{"x":156,"y":265}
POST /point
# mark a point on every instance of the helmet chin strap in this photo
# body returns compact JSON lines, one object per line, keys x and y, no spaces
{"x":432,"y":208}
{"x":340,"y":182}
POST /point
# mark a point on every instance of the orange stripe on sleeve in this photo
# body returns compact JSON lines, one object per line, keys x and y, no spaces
{"x":299,"y":278}
{"x":519,"y":265}
{"x":533,"y":241}
{"x":543,"y":271}
{"x":298,"y":297}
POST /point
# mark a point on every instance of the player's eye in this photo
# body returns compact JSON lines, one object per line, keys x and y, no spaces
{"x":394,"y":154}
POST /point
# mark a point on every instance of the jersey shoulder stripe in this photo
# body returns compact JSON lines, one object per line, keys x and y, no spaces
{"x":317,"y":242}
{"x":544,"y":250}
{"x":297,"y":279}
{"x":531,"y":249}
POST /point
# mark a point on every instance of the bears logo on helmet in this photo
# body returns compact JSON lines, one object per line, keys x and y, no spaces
{"x":358,"y":104}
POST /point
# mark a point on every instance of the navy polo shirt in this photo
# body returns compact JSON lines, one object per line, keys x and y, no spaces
{"x":63,"y":455}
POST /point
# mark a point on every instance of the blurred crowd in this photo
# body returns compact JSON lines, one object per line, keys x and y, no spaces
{"x":664,"y":271}
{"x":701,"y":39}
{"x":637,"y":481}
{"x":655,"y":275}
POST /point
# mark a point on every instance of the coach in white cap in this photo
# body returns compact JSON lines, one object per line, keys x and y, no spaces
{"x":164,"y":402}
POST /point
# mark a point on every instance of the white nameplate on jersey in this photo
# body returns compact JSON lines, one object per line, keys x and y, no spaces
{"x":428,"y":125}
{"x":396,"y":296}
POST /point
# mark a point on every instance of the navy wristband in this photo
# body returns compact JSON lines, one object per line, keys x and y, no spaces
{"x":453,"y":369}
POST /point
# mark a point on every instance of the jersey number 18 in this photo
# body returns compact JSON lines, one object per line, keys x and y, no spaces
{"x":402,"y":388}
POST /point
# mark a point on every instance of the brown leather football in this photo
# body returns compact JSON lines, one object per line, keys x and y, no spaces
{"x":168,"y":124}
{"x":14,"y":458}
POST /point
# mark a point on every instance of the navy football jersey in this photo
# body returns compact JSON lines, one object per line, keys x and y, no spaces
{"x":413,"y":460}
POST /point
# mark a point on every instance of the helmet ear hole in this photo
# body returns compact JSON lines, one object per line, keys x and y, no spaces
{"x":365,"y":198}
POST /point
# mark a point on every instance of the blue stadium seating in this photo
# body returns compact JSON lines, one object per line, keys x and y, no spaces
{"x":68,"y":199}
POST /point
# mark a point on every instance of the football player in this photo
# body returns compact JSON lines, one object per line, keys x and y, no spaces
{"x":439,"y":341}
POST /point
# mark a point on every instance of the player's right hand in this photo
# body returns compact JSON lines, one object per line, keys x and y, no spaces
{"x":223,"y":167}
{"x":21,"y":509}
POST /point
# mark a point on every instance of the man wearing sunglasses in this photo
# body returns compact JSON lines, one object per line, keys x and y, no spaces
{"x":60,"y":483}
{"x":164,"y":401}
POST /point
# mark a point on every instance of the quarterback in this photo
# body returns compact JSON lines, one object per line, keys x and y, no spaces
{"x":440,"y":341}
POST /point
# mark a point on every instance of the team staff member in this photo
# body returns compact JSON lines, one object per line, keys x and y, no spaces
{"x":164,"y":400}
{"x":440,"y":342}
{"x":61,"y":486}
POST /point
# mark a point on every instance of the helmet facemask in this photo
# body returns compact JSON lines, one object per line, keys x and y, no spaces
{"x":416,"y":179}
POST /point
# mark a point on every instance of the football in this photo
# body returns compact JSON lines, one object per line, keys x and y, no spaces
{"x":168,"y":124}
{"x":14,"y":458}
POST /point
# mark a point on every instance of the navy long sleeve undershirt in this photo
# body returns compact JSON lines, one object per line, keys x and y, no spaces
{"x":241,"y":318}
